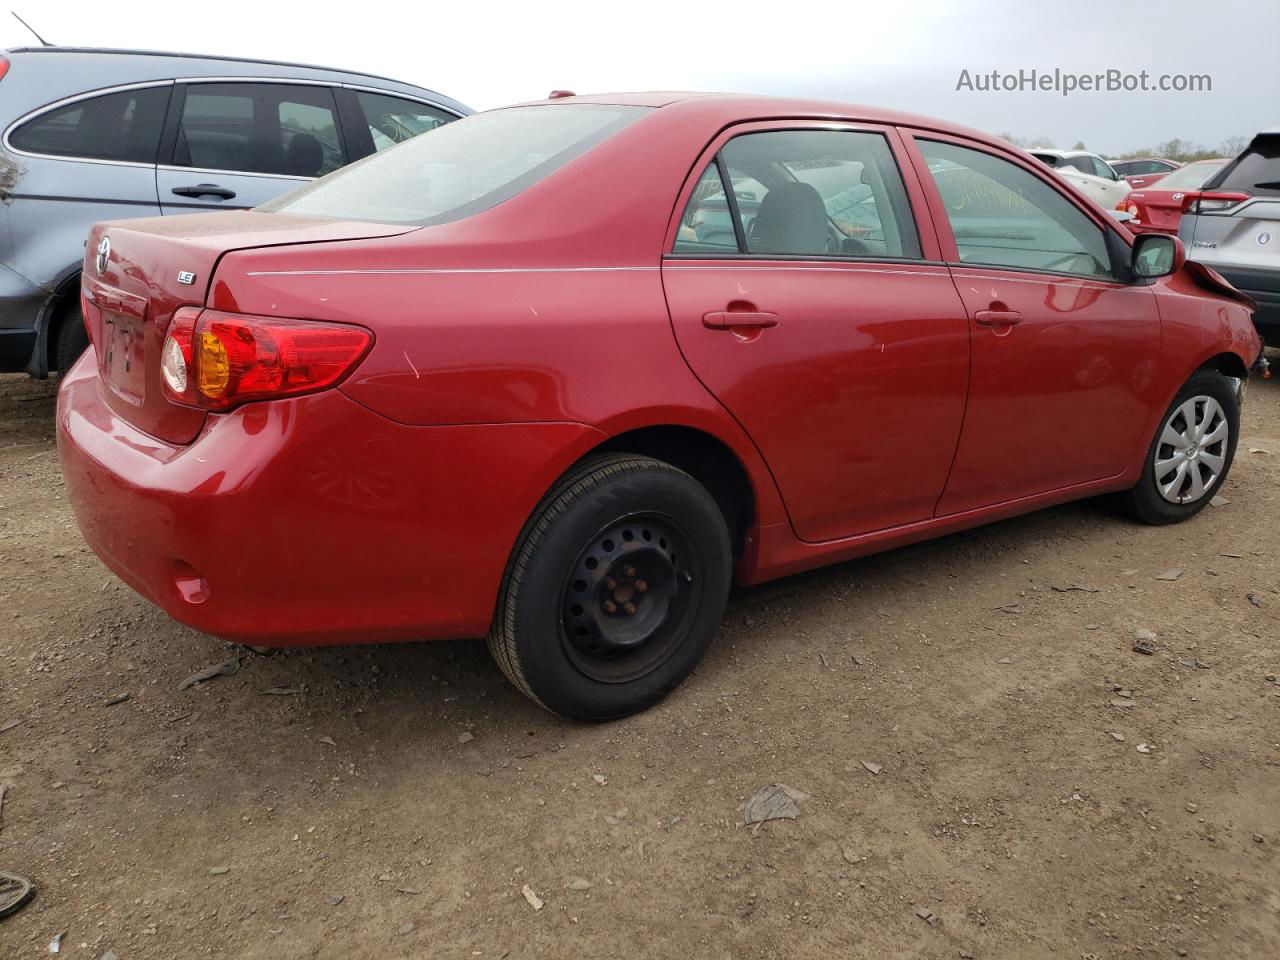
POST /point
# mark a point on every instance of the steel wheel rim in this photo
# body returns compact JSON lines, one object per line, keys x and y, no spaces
{"x":628,"y":600}
{"x":1192,"y":450}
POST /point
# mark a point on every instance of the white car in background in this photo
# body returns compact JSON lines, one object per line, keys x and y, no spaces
{"x":1088,"y":173}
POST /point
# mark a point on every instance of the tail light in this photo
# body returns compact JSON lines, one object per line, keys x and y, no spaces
{"x":217,"y":360}
{"x":4,"y":67}
{"x":1211,"y":202}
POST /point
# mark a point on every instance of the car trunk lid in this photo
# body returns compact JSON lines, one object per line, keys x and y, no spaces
{"x":137,"y":273}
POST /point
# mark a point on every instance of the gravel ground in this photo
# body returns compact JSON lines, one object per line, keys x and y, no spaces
{"x":976,"y":783}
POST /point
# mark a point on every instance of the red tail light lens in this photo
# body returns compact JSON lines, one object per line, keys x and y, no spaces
{"x":1211,"y":202}
{"x":220,"y":360}
{"x":4,"y":67}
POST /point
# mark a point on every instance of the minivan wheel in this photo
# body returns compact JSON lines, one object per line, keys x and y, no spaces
{"x":615,"y":590}
{"x":72,"y":340}
{"x":1191,"y":453}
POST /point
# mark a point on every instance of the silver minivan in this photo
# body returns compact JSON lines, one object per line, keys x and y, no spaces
{"x":1232,"y":224}
{"x":90,"y":135}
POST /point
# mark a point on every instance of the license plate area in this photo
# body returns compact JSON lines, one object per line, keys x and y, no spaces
{"x":122,"y":355}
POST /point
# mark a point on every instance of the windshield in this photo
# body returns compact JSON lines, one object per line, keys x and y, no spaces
{"x":1190,"y":177}
{"x":461,"y":168}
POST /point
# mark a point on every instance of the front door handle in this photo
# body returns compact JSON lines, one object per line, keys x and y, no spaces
{"x":997,"y":318}
{"x":728,"y":319}
{"x":205,"y":190}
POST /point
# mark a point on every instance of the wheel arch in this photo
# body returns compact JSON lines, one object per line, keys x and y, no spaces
{"x":1228,"y":364}
{"x":48,"y":322}
{"x":706,"y":458}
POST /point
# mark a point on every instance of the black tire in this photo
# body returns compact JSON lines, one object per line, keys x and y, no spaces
{"x":72,"y":340}
{"x":619,"y":531}
{"x":1145,"y":501}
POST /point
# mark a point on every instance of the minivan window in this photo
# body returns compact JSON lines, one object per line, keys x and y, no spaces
{"x":461,"y":168}
{"x":123,"y":126}
{"x":270,"y":128}
{"x":1256,"y":171}
{"x":393,"y":120}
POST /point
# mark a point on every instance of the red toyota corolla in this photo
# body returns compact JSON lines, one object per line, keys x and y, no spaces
{"x":559,"y":373}
{"x":1158,"y":208}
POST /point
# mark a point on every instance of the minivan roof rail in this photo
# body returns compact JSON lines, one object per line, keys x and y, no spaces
{"x":211,"y":56}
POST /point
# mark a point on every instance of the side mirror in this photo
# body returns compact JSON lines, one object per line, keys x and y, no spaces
{"x":1157,"y":255}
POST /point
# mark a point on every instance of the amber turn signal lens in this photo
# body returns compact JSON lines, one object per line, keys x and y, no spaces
{"x":213,"y":366}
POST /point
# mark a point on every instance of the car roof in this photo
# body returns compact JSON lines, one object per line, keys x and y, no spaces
{"x":55,"y":73}
{"x":726,"y":108}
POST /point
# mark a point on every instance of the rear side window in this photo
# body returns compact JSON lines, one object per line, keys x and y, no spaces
{"x":810,"y":193}
{"x":1256,"y":171}
{"x":393,"y":120}
{"x":266,"y":128}
{"x":122,"y":126}
{"x":1003,"y":216}
{"x":461,"y":168}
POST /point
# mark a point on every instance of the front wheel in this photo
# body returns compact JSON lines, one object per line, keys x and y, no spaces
{"x":615,"y":590}
{"x":1191,"y":453}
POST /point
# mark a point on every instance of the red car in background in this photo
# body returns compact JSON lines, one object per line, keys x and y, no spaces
{"x":515,"y":377}
{"x":1143,"y":171}
{"x":1158,"y":209}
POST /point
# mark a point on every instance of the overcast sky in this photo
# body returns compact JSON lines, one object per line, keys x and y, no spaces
{"x":901,"y":54}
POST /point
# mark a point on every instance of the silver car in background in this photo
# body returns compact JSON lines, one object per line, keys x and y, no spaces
{"x":89,"y":135}
{"x":1233,"y":225}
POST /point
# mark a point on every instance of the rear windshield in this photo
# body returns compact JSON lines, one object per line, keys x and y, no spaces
{"x":1256,"y":171}
{"x":1190,"y":177}
{"x":460,"y":168}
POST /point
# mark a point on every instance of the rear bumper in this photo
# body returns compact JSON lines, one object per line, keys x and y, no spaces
{"x":311,"y":520}
{"x":1264,"y":287}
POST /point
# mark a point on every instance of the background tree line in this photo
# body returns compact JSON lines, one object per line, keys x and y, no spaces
{"x":1183,"y":151}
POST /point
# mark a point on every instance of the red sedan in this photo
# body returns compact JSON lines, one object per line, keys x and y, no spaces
{"x":559,"y":373}
{"x":1158,"y":209}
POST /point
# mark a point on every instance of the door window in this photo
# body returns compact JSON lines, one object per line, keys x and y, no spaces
{"x":393,"y":120}
{"x":266,"y":128}
{"x":1003,"y":216}
{"x":823,"y":193}
{"x":122,"y":126}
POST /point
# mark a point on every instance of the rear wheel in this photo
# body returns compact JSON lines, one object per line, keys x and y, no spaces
{"x":72,"y":339}
{"x":615,"y":591}
{"x":1191,"y":453}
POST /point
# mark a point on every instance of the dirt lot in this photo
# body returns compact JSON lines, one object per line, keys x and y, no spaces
{"x":970,"y":673}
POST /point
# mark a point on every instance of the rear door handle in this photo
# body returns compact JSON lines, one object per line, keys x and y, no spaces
{"x":728,"y":319}
{"x":997,"y":318}
{"x":205,"y":190}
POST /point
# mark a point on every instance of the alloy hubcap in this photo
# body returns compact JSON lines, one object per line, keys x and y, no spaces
{"x":627,"y":598}
{"x":1192,"y":450}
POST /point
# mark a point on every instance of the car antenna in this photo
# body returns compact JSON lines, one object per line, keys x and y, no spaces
{"x":43,"y":41}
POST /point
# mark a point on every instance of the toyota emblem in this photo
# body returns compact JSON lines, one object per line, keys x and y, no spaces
{"x":104,"y":254}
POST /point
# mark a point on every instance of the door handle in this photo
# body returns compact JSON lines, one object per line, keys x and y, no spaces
{"x":728,"y":319}
{"x":997,"y":318}
{"x":205,"y":190}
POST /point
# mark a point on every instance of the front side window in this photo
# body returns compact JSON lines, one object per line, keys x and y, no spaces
{"x":820,"y":193}
{"x":124,"y":127}
{"x":393,"y":120}
{"x":266,"y":128}
{"x":1003,"y":216}
{"x":460,"y":168}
